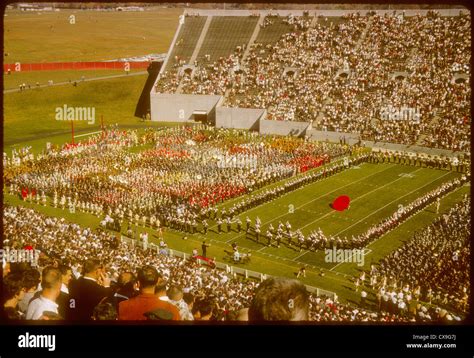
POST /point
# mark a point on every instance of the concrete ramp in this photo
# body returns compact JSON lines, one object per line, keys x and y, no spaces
{"x":297,"y":129}
{"x":239,"y":118}
{"x":170,"y":107}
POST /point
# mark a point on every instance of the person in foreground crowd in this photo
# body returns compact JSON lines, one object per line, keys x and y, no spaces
{"x":217,"y":295}
{"x":125,"y":288}
{"x":86,"y":292}
{"x":13,"y":293}
{"x":104,"y":311}
{"x":31,"y":279}
{"x":280,"y":299}
{"x":51,"y":281}
{"x":147,"y":305}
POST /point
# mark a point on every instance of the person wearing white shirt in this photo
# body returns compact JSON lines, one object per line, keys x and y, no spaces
{"x":160,"y":289}
{"x":236,"y":256}
{"x":363,"y":297}
{"x":31,"y":281}
{"x":51,"y":283}
{"x":175,"y":295}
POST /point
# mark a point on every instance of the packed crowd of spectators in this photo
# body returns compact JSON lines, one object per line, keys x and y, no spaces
{"x":342,"y":75}
{"x":433,"y":266}
{"x":64,"y":243}
{"x":83,"y":274}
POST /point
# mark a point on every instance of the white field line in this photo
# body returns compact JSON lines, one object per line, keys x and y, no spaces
{"x":383,"y":207}
{"x":315,"y":170}
{"x":319,"y":197}
{"x":366,"y":252}
{"x":87,"y":134}
{"x":445,"y":196}
{"x":360,"y":197}
{"x":373,"y":242}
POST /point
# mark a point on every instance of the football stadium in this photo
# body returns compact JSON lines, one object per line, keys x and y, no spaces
{"x":239,"y":163}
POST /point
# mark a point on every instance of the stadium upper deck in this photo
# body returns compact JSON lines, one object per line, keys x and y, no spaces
{"x":353,"y":72}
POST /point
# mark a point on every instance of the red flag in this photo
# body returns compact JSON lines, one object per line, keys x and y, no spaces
{"x":341,"y":203}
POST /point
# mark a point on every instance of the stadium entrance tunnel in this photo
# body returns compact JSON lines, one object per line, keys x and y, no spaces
{"x":399,"y":76}
{"x":460,"y":78}
{"x":187,"y":70}
{"x":173,"y":107}
{"x":200,"y":116}
{"x":291,"y":72}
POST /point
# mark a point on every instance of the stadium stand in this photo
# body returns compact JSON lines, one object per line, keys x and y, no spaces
{"x":187,"y":39}
{"x":342,"y":73}
{"x":224,"y":35}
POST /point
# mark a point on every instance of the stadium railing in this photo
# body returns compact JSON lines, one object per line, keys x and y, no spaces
{"x":223,"y":266}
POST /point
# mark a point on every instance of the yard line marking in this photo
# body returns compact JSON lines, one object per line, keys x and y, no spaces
{"x":344,"y":262}
{"x":390,"y":203}
{"x":318,"y":267}
{"x":83,"y":135}
{"x":281,"y":196}
{"x":304,"y":252}
{"x":319,"y":197}
{"x":360,"y":197}
{"x":444,"y":197}
{"x":322,"y":196}
{"x":373,"y":242}
{"x":300,"y":175}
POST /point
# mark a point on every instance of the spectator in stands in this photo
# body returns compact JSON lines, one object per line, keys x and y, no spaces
{"x":344,"y":88}
{"x":280,"y":299}
{"x":104,"y":311}
{"x":125,"y":288}
{"x":13,"y":293}
{"x":176,"y":297}
{"x":51,"y":280}
{"x":31,"y":280}
{"x":203,"y":310}
{"x":86,"y":292}
{"x":63,"y":299}
{"x":147,"y":303}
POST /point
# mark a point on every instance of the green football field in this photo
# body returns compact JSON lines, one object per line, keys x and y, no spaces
{"x":376,"y":191}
